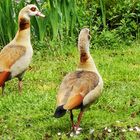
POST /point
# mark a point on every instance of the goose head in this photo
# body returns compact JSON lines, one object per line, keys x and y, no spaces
{"x":30,"y":10}
{"x":84,"y":40}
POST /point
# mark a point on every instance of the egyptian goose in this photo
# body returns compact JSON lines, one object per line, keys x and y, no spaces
{"x":81,"y":88}
{"x":16,"y":56}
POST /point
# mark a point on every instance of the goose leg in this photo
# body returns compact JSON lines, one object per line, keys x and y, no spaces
{"x":20,"y":85}
{"x":3,"y":86}
{"x":20,"y":77}
{"x":79,"y":119}
{"x":71,"y":118}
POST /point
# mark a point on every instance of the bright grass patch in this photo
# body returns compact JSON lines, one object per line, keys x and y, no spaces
{"x":113,"y":116}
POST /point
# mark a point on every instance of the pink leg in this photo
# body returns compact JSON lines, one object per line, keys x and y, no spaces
{"x":79,"y":120}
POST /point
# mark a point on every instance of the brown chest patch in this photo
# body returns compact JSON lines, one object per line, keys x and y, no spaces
{"x":23,"y":24}
{"x":83,"y":57}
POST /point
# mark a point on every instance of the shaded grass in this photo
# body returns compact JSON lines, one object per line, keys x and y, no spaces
{"x":30,"y":116}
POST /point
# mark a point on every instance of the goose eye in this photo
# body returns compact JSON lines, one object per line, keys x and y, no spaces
{"x":33,"y":9}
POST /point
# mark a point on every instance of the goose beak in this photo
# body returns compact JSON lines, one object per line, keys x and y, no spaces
{"x":40,"y":14}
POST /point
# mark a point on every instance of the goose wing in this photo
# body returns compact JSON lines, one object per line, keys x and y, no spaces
{"x":9,"y":55}
{"x":75,"y":87}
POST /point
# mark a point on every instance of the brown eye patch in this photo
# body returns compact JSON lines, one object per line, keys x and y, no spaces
{"x":33,"y":9}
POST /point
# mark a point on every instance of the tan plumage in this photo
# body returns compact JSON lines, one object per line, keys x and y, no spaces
{"x":76,"y":83}
{"x":80,"y":88}
{"x":9,"y":55}
{"x":16,"y":56}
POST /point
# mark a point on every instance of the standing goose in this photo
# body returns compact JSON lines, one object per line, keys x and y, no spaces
{"x":81,"y":88}
{"x":16,"y":56}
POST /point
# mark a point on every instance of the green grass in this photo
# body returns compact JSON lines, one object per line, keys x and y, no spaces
{"x":30,"y":116}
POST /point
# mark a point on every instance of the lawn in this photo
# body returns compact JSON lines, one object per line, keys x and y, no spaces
{"x":30,"y":116}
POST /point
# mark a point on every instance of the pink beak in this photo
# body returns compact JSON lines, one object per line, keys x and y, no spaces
{"x":40,"y":14}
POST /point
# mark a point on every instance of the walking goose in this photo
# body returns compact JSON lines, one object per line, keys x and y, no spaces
{"x":82,"y":87}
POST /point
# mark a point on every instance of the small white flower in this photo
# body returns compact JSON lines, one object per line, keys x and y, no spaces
{"x":71,"y":134}
{"x":117,"y":121}
{"x":137,"y":128}
{"x":77,"y":132}
{"x":123,"y":130}
{"x":91,"y":131}
{"x":109,"y":130}
{"x":131,"y":129}
{"x":59,"y":133}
